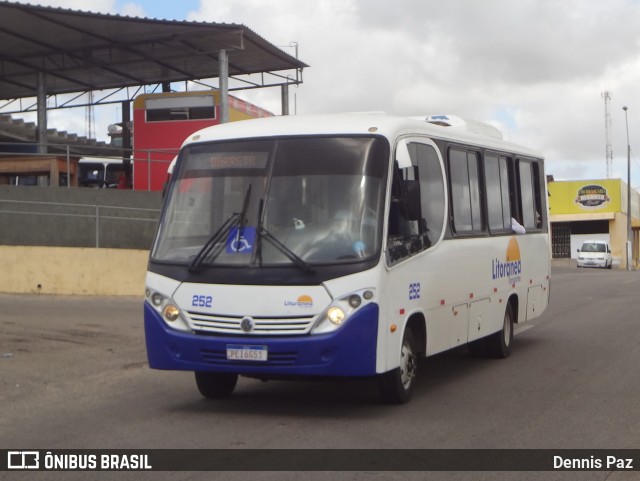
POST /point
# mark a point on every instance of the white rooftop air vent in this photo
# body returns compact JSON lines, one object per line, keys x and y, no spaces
{"x":464,"y":124}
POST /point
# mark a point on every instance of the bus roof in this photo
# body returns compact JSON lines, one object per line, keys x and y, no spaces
{"x":358,"y":124}
{"x":100,"y":160}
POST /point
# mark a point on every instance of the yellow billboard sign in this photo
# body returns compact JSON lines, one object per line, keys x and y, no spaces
{"x":584,"y":196}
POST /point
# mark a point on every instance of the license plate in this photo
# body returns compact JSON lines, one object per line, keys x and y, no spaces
{"x":246,"y":353}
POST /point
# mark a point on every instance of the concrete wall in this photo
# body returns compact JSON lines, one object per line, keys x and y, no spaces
{"x":72,"y":271}
{"x":66,"y":217}
{"x":618,"y":231}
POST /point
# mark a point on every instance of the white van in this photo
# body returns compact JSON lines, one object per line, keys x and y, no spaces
{"x":595,"y":253}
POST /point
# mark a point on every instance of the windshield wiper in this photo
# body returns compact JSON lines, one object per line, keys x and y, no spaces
{"x":236,"y":219}
{"x":213,"y":240}
{"x":263,"y":233}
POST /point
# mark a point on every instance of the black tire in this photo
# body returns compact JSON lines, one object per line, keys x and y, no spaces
{"x":499,"y":344}
{"x":396,"y":387}
{"x":216,"y":385}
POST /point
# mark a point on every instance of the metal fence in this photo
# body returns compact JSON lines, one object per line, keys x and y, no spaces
{"x":28,"y":222}
{"x":149,"y":161}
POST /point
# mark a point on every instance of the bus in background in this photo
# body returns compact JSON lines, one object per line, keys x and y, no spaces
{"x":344,"y":246}
{"x":99,"y":172}
{"x":162,"y":121}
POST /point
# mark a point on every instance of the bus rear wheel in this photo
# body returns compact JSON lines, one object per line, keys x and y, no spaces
{"x":216,"y":385}
{"x":396,"y":387}
{"x":499,"y":344}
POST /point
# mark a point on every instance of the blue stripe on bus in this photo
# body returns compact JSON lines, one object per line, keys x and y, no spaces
{"x":349,"y":351}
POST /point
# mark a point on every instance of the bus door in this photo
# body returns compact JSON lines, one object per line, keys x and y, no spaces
{"x":414,"y":228}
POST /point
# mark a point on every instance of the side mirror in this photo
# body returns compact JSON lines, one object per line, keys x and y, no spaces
{"x":413,"y":200}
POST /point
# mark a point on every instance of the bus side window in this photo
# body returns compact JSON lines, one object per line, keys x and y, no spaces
{"x":464,"y":184}
{"x":538,"y":197}
{"x":496,"y":174}
{"x":431,"y":191}
{"x":530,"y":194}
{"x":416,"y":213}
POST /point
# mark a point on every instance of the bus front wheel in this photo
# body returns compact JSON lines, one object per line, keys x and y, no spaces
{"x":216,"y":385}
{"x":396,"y":386}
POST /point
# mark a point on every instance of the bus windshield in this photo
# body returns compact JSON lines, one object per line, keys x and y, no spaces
{"x":310,"y":200}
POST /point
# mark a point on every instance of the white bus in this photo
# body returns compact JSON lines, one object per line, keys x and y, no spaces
{"x":100,"y":172}
{"x":346,"y":245}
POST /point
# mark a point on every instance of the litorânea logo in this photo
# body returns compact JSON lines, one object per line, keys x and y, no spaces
{"x":511,"y":267}
{"x":303,"y":301}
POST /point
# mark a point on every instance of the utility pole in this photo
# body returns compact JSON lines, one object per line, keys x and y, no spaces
{"x":629,"y":218}
{"x":607,"y":131}
{"x":90,"y":118}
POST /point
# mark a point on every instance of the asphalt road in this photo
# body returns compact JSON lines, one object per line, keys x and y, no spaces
{"x":73,"y":375}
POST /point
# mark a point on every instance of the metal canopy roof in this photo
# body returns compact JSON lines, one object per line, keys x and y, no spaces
{"x":79,"y":51}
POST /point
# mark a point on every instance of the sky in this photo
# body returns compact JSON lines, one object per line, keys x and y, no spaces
{"x":536,"y":69}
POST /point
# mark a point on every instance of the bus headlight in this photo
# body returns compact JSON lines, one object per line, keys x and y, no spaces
{"x":335,"y":315}
{"x":166,"y":307}
{"x":340,"y":310}
{"x":355,"y":300}
{"x":171,"y":313}
{"x":157,"y":299}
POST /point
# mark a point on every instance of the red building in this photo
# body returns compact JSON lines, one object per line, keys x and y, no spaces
{"x":161,"y":122}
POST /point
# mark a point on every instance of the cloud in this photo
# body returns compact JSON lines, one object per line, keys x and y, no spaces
{"x":100,"y":6}
{"x":132,"y":10}
{"x":536,"y":68}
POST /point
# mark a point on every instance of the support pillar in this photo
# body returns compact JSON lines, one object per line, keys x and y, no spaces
{"x":223,"y":61}
{"x":41,"y":129}
{"x":126,"y":142}
{"x":284,"y":94}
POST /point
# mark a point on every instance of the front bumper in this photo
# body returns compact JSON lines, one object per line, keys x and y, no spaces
{"x":592,"y":263}
{"x":348,"y":351}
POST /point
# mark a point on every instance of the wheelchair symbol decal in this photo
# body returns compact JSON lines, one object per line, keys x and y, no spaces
{"x":241,"y":241}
